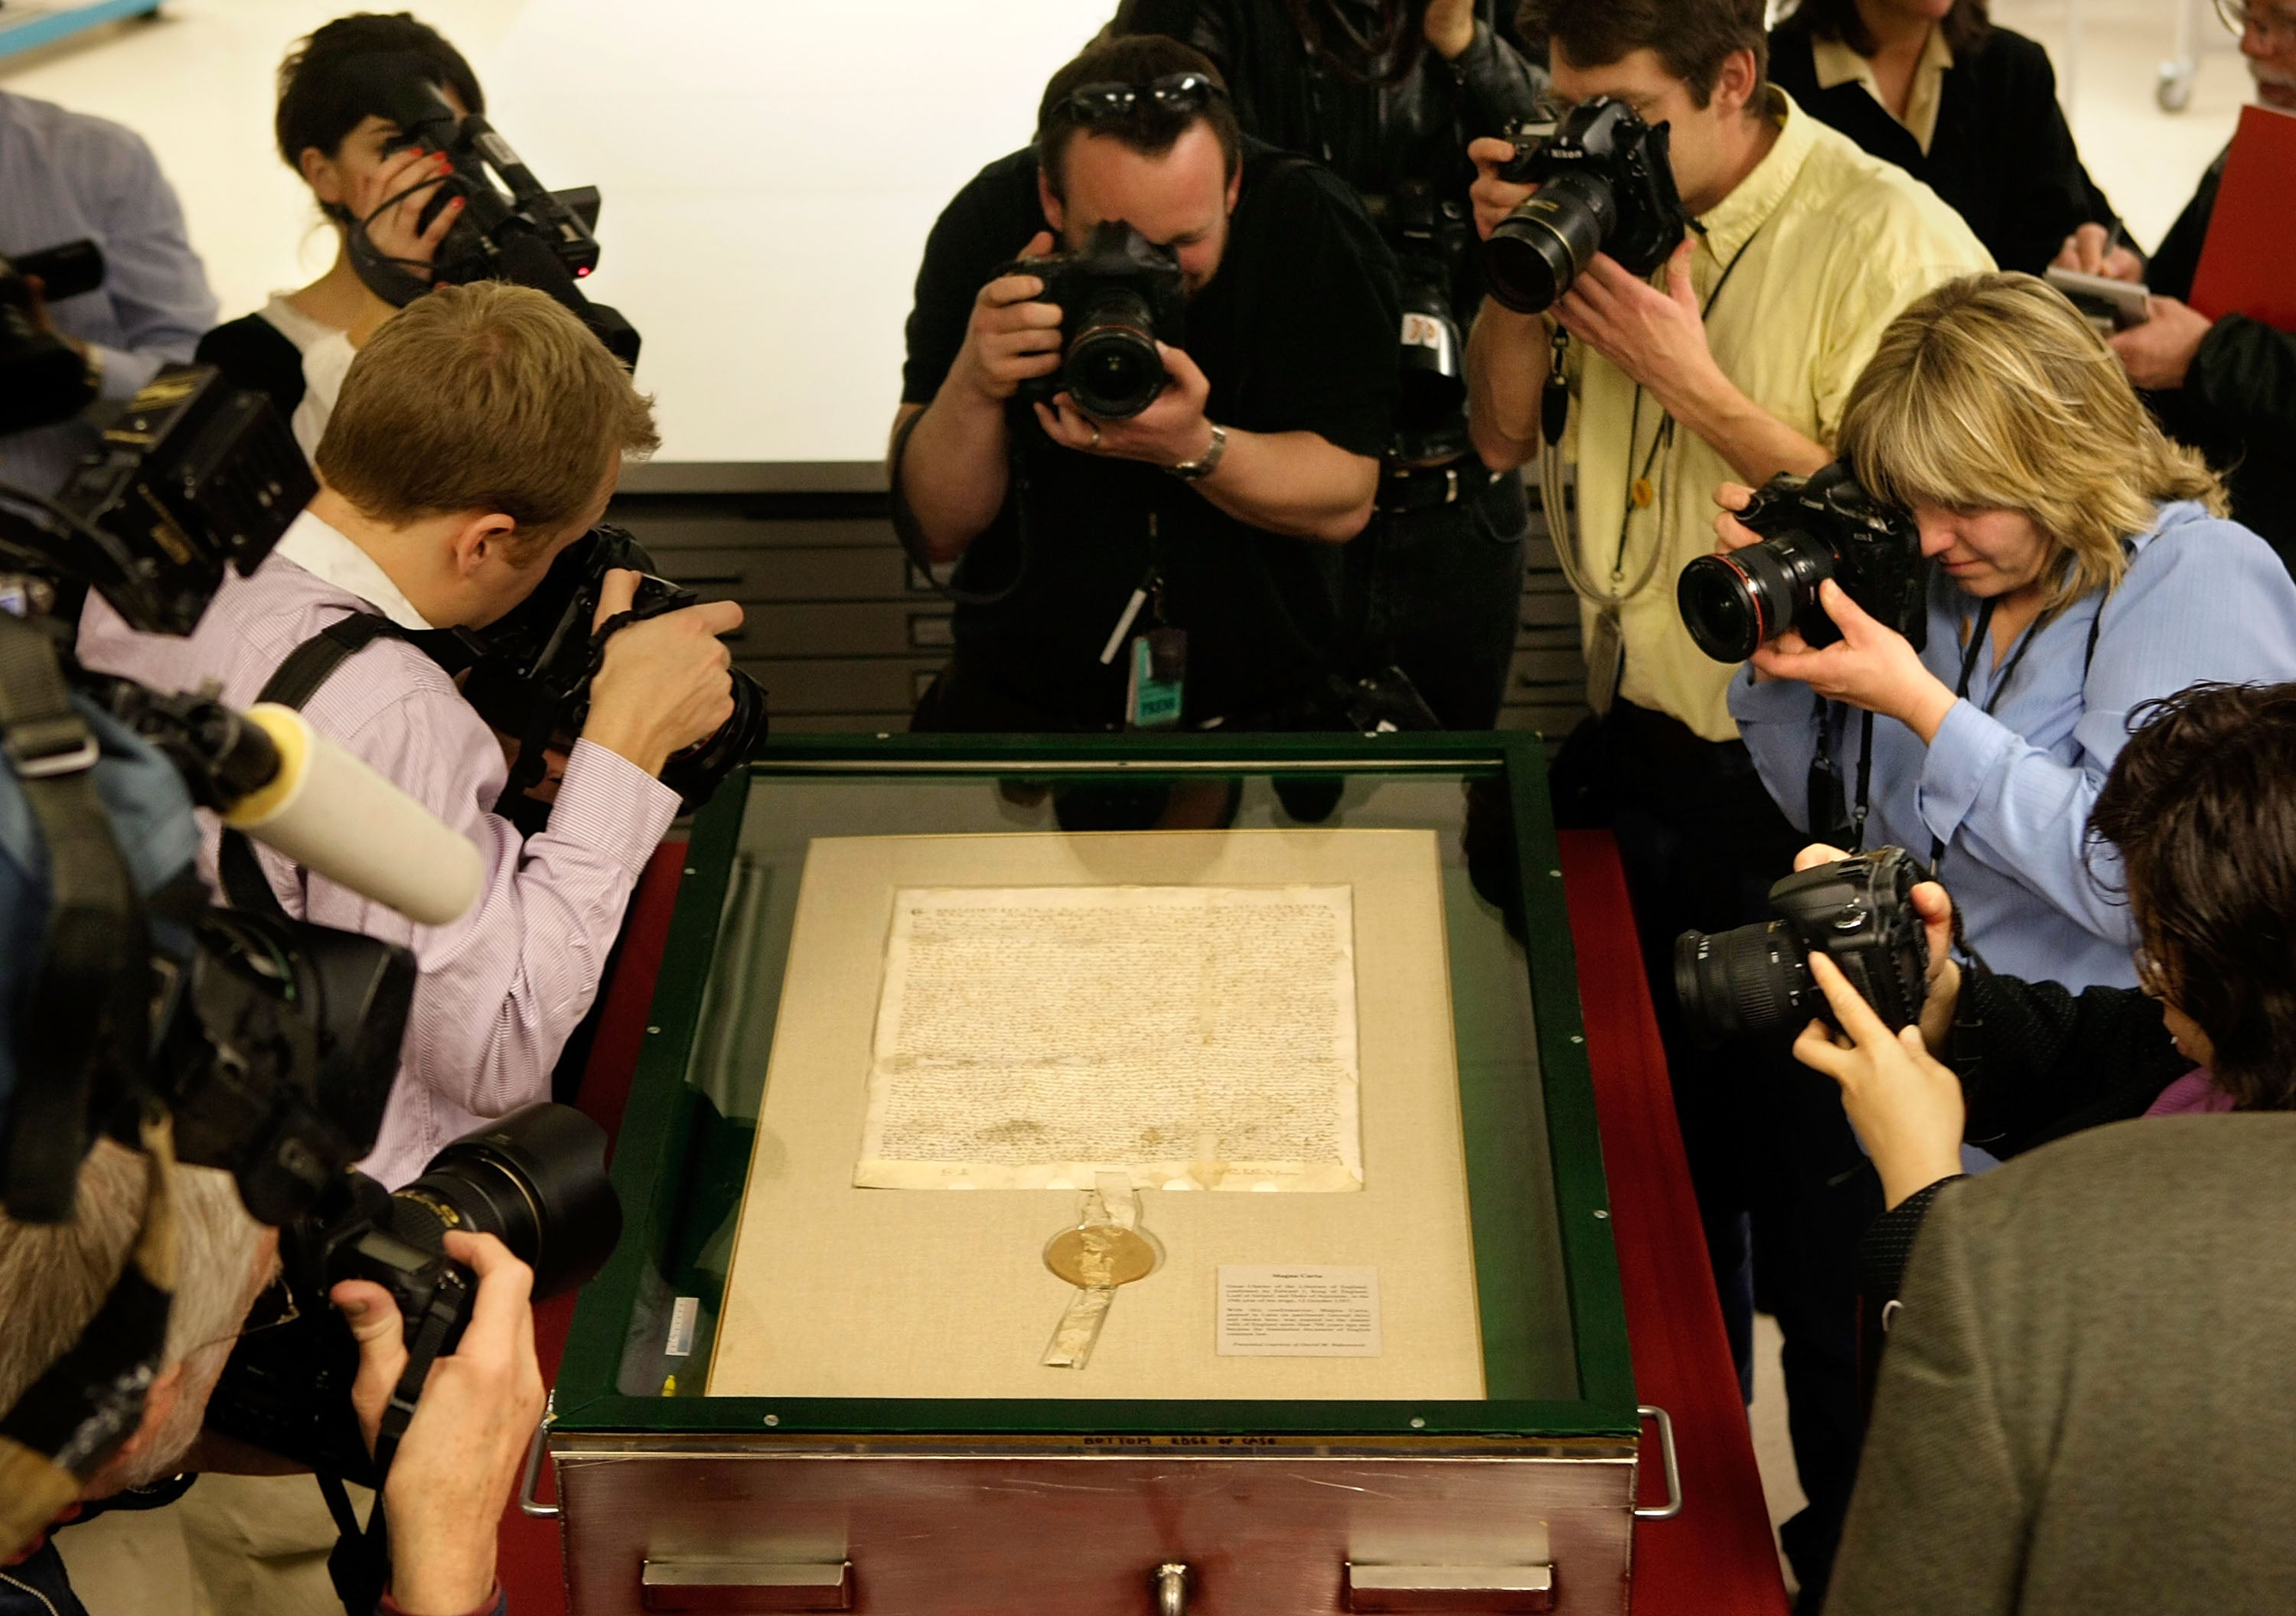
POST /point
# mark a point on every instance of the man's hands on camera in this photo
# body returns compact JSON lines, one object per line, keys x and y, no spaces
{"x":1871,"y":666}
{"x":1905,"y":1104}
{"x":1170,"y":431}
{"x":1943,"y":973}
{"x":2092,"y":250}
{"x":1012,"y":338}
{"x":664,"y":684}
{"x":456,"y":1467}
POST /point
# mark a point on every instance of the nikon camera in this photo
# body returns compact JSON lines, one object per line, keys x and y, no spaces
{"x":1815,"y":529}
{"x":1119,"y":296}
{"x":1605,"y":184}
{"x":1756,"y":979}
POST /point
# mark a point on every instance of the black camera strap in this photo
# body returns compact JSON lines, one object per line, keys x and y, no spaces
{"x":294,"y":682}
{"x":88,"y":1002}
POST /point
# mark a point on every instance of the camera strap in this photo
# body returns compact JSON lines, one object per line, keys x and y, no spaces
{"x":294,"y":682}
{"x":85,"y":1405}
{"x":88,"y":1003}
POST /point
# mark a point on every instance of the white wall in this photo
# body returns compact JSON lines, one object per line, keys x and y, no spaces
{"x":770,"y":170}
{"x":771,"y":166}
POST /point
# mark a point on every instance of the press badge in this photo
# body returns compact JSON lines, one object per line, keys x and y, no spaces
{"x":1159,"y":669}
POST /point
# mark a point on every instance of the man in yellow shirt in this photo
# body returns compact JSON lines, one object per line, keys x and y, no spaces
{"x":1735,"y":365}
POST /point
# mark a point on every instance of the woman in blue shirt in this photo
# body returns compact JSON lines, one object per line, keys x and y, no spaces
{"x":2082,"y":567}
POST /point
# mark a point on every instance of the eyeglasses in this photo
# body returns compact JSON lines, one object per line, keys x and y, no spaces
{"x":1175,"y":92}
{"x":2273,"y":26}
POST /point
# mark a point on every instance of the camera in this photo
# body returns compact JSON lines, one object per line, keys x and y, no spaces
{"x":535,"y":1179}
{"x":1605,"y":184}
{"x":1815,"y":529}
{"x":1857,"y":912}
{"x":1120,"y":295}
{"x":195,"y":475}
{"x":516,"y":230}
{"x":530,"y":672}
{"x":1431,"y":236}
{"x":43,"y":379}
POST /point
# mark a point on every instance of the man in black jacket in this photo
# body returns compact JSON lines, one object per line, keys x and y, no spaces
{"x":1094,"y":549}
{"x":1387,"y":93}
{"x":2227,"y":387}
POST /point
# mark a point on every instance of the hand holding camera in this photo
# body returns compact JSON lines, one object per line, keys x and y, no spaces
{"x":1814,"y":580}
{"x":1905,"y":1102}
{"x":665,"y":684}
{"x":1170,"y":430}
{"x":1935,"y":908}
{"x":460,"y":1458}
{"x":1015,"y":336}
{"x":393,"y":199}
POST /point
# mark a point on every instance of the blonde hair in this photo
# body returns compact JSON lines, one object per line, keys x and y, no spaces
{"x":486,"y":397}
{"x":53,"y":1276}
{"x":1992,"y":392}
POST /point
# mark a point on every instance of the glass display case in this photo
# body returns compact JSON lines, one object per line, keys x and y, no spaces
{"x":1110,"y":1174}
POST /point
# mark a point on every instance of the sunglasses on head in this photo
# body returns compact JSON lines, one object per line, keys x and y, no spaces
{"x":1092,"y":103}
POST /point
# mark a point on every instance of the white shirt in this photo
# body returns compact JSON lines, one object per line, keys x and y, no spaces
{"x":327,"y":354}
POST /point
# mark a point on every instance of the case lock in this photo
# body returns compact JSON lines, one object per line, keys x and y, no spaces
{"x":1171,"y":1590}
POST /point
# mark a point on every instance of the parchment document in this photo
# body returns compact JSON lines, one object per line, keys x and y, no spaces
{"x":1197,"y":1036}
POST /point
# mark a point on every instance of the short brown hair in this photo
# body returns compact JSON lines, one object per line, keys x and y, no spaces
{"x":1692,"y":37}
{"x":1991,"y":392}
{"x":1147,"y":128}
{"x":484,"y":397}
{"x":2201,"y":805}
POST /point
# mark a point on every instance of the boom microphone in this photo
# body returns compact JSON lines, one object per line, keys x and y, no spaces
{"x":335,"y":816}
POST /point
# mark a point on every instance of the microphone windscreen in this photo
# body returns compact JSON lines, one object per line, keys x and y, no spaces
{"x":334,"y":815}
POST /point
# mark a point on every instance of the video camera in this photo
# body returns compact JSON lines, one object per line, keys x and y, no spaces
{"x":515,"y":230}
{"x":1822,"y":526}
{"x":43,"y":377}
{"x":267,"y":1044}
{"x":1120,"y":295}
{"x":1605,"y":184}
{"x":1860,"y":913}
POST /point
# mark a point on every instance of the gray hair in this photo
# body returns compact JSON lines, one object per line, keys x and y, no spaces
{"x":53,"y":1276}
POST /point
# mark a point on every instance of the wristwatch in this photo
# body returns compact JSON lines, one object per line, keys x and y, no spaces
{"x":1205,"y":465}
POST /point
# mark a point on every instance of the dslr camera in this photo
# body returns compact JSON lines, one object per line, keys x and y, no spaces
{"x":1120,"y":295}
{"x":1857,"y":912}
{"x":535,"y":1179}
{"x":43,"y":379}
{"x":1815,"y":529}
{"x":530,"y":672}
{"x":1605,"y":184}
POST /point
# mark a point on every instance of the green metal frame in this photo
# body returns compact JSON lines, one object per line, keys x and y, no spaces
{"x":662,"y":1104}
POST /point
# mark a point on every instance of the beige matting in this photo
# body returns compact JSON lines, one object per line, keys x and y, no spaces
{"x":838,"y":1291}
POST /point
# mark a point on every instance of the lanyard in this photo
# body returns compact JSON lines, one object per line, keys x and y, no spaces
{"x":1977,"y":636}
{"x":1663,"y":440}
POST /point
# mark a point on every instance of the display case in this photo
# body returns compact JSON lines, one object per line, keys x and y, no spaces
{"x":951,"y":1030}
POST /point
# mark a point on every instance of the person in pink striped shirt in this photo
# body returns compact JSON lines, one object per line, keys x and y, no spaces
{"x":476,"y":437}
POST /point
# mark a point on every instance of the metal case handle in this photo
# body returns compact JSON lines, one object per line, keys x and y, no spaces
{"x":526,"y":1504}
{"x":1673,"y":1505}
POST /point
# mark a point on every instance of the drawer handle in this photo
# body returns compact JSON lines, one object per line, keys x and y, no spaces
{"x":1171,"y":1590}
{"x":735,"y":1588}
{"x":1450,"y":1588}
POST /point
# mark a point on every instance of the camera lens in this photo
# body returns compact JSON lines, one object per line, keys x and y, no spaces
{"x":1113,"y":371}
{"x":1732,"y":604}
{"x":535,"y":1179}
{"x":1536,"y":251}
{"x":1735,"y":982}
{"x":694,"y":773}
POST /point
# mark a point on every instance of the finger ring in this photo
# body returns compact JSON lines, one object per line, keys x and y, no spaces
{"x":1095,"y":434}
